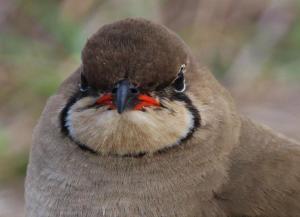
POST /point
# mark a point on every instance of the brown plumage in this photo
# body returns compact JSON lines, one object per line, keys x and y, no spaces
{"x":166,"y":150}
{"x":124,"y":50}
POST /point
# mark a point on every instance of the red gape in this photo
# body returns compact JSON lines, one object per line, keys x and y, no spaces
{"x":145,"y":101}
{"x":106,"y":99}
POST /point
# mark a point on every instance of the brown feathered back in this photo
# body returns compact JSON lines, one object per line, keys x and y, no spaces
{"x":146,"y":53}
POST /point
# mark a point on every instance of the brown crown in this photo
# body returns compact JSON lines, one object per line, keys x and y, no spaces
{"x":147,"y":54}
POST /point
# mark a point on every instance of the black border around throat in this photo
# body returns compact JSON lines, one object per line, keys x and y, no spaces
{"x":175,"y":96}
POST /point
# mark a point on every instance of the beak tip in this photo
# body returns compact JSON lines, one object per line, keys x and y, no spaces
{"x":120,"y":110}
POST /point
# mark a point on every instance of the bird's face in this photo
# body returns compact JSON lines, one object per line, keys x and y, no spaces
{"x":132,"y":98}
{"x":129,"y":119}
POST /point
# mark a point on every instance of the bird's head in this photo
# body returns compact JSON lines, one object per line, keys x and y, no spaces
{"x":134,"y":95}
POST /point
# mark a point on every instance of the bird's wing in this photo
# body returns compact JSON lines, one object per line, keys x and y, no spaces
{"x":264,"y":178}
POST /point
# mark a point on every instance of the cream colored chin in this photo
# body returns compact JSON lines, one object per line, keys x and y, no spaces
{"x":107,"y":132}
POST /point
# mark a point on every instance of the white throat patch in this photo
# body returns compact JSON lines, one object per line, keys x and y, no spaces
{"x":132,"y":132}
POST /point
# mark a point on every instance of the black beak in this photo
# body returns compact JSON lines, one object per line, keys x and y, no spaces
{"x":123,"y":92}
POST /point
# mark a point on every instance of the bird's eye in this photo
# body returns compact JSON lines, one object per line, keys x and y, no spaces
{"x":179,"y":83}
{"x":134,"y":90}
{"x":114,"y":90}
{"x":84,"y":86}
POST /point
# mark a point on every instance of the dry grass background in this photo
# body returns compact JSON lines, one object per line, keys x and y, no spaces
{"x":253,"y":47}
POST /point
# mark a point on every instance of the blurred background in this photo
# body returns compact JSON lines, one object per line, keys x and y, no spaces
{"x":253,"y":48}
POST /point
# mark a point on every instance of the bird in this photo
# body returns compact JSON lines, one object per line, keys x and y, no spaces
{"x":141,"y":128}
